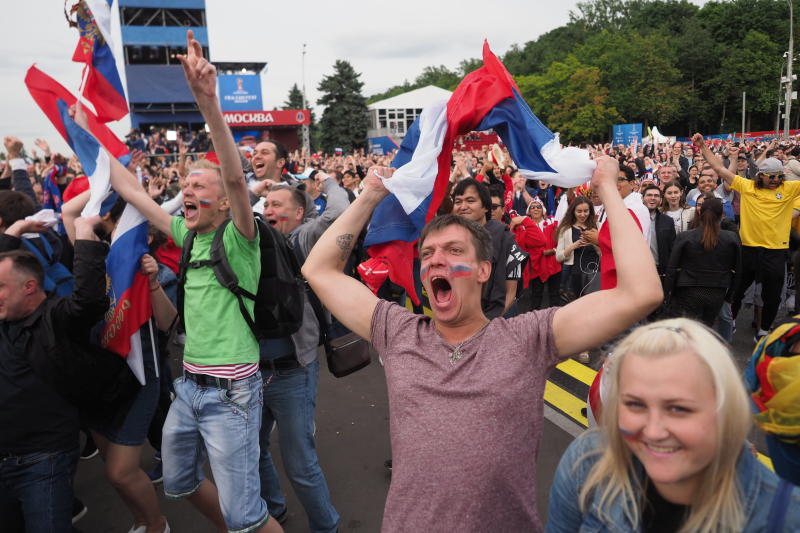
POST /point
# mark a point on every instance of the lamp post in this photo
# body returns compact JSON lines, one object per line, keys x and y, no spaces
{"x":780,"y":97}
{"x":788,"y":105}
{"x":305,"y":128}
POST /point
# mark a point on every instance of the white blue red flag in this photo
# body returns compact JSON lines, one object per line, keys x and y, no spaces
{"x":103,"y":86}
{"x":487,"y":98}
{"x":128,"y":288}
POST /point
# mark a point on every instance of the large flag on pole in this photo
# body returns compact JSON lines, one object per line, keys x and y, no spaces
{"x":485,"y":99}
{"x":103,"y":86}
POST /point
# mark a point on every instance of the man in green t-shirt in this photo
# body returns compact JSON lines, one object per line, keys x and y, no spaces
{"x":218,"y":401}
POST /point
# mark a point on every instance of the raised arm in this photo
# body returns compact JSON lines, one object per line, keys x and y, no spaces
{"x":713,"y":160}
{"x":127,"y":185}
{"x":202,"y":78}
{"x":349,"y":300}
{"x":597,"y":317}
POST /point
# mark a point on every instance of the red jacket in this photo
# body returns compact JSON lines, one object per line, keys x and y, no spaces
{"x":535,"y":241}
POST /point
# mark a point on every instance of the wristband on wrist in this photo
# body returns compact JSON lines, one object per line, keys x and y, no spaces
{"x":157,"y":286}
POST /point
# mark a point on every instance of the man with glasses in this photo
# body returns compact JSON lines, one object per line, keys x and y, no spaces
{"x":766,"y":217}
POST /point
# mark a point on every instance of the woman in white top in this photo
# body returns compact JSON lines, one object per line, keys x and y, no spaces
{"x":675,"y":206}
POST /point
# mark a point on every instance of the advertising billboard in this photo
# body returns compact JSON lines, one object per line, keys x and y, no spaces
{"x":240,"y":92}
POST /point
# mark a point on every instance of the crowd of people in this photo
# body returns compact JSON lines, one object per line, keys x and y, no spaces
{"x":636,"y":267}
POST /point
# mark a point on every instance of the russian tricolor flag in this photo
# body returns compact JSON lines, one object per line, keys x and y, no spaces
{"x":129,"y":289}
{"x":486,"y":98}
{"x":103,"y":87}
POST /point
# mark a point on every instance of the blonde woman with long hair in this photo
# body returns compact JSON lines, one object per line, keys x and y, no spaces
{"x":671,"y":451}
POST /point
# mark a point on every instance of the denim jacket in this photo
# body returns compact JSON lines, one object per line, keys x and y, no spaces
{"x":758,"y":485}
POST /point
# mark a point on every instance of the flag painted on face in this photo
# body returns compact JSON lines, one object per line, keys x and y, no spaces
{"x":486,"y":98}
{"x":103,"y":87}
{"x":46,"y":92}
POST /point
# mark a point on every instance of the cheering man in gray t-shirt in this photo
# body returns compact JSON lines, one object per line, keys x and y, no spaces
{"x":465,"y":393}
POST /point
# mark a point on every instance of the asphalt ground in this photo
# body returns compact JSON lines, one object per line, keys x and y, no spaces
{"x":352,"y":423}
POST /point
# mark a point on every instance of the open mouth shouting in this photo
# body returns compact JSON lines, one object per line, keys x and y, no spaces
{"x":441,"y":290}
{"x":190,"y":209}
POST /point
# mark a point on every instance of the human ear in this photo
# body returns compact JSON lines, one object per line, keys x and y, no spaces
{"x":484,"y":271}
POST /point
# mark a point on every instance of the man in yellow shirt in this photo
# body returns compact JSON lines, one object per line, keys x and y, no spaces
{"x":766,"y":216}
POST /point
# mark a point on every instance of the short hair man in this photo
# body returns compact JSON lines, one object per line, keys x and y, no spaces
{"x":472,"y":201}
{"x":458,"y":380}
{"x":290,"y":367}
{"x":40,"y":381}
{"x":220,"y":358}
{"x":662,"y":228}
{"x":766,"y":217}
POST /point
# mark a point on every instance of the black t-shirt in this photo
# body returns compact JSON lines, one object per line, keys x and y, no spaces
{"x":34,"y":417}
{"x":661,"y":516}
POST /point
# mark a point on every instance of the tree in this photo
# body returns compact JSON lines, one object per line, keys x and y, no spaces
{"x":754,"y":67}
{"x":571,"y":100}
{"x":344,"y":122}
{"x":295,"y":98}
{"x":640,"y":74}
{"x":440,"y":76}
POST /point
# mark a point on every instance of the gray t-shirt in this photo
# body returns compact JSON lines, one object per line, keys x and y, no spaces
{"x":465,"y":435}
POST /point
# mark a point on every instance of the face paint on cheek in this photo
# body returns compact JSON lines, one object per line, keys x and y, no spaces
{"x":629,"y":435}
{"x":283,"y":217}
{"x":460,"y":271}
{"x":423,"y":272}
{"x":204,"y":203}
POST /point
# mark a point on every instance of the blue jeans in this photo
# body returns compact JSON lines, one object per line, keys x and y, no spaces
{"x":785,"y":458}
{"x":290,"y":400}
{"x":36,"y":492}
{"x":725,"y":322}
{"x":222,"y":425}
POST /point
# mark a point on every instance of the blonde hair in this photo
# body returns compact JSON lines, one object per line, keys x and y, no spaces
{"x":717,"y":504}
{"x":201,"y":164}
{"x":205,"y":164}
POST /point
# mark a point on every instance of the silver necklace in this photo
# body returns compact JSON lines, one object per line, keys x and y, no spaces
{"x":457,"y":354}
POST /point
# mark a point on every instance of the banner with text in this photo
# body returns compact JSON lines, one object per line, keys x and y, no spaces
{"x":627,"y":134}
{"x":240,"y":92}
{"x":287,"y":117}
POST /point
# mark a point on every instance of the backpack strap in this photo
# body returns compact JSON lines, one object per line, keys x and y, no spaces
{"x":183,"y":266}
{"x":316,"y":305}
{"x":228,"y":278}
{"x":780,"y":503}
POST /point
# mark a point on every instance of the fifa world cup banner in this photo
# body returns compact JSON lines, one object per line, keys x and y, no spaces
{"x":240,"y":92}
{"x":627,"y":134}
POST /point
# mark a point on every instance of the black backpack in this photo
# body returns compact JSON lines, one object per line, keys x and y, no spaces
{"x":279,"y":299}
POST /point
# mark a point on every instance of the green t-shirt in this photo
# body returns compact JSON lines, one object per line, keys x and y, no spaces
{"x":216,"y":333}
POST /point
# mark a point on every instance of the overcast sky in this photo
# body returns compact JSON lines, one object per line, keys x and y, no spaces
{"x":386,"y":42}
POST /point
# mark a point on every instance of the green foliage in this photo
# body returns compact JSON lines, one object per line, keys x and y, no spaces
{"x":570,"y":94}
{"x":669,"y":63}
{"x":294,"y":100}
{"x":643,"y":83}
{"x":344,"y":122}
